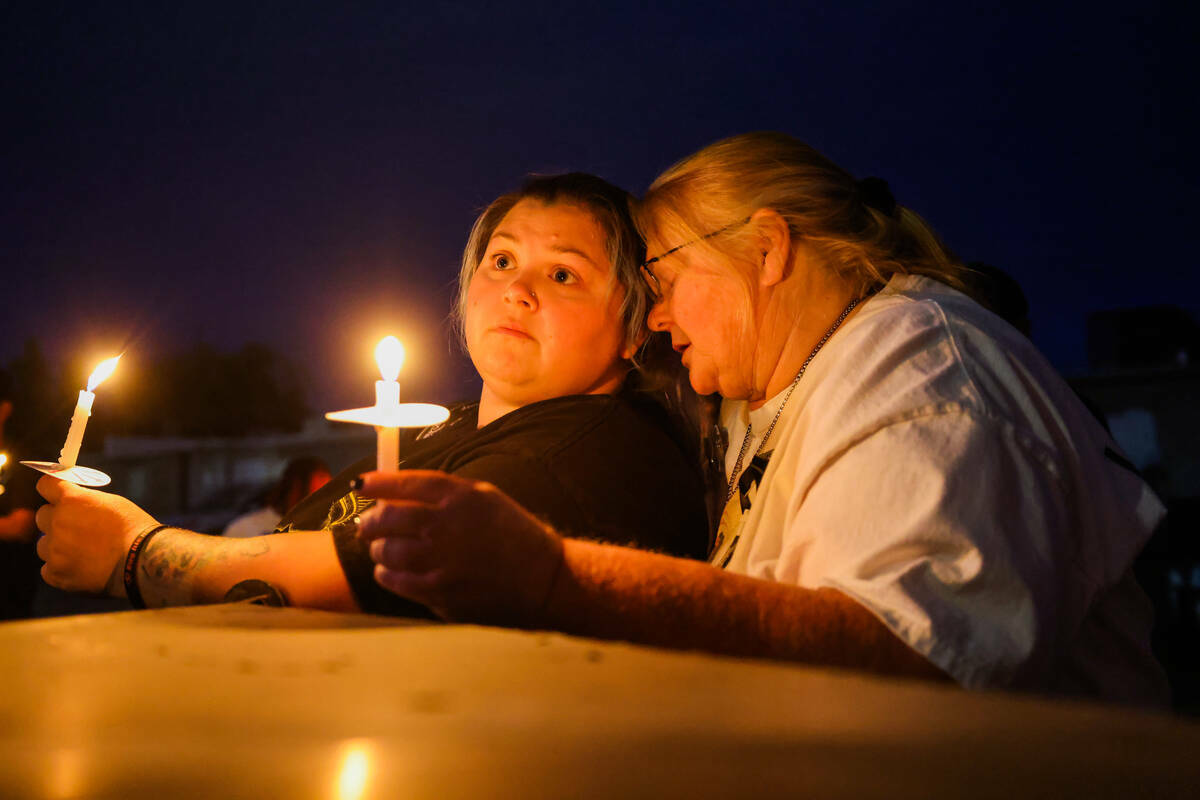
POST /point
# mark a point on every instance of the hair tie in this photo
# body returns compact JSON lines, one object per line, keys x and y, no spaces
{"x":876,"y":194}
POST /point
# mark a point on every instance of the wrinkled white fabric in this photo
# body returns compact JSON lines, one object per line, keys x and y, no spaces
{"x":934,"y":467}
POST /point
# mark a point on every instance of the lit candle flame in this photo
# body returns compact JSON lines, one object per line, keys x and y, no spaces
{"x":389,"y":355}
{"x":3,"y":459}
{"x":102,"y":372}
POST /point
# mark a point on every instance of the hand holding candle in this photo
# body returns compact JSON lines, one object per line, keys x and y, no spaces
{"x":388,"y":414}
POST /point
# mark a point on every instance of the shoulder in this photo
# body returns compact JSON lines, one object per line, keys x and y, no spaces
{"x":897,"y":358}
{"x":918,"y":324}
{"x":914,"y":306}
{"x":925,"y":358}
{"x":920,"y":347}
{"x":552,"y":427}
{"x":911,"y":305}
{"x":464,"y":416}
{"x":558,"y":436}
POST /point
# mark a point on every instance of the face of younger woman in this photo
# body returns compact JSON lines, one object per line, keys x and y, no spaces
{"x":542,"y":312}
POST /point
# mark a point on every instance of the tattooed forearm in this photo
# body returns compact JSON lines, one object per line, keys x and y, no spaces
{"x":184,"y":568}
{"x":178,"y":566}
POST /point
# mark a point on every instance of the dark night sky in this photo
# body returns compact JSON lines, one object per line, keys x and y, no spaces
{"x":306,"y":178}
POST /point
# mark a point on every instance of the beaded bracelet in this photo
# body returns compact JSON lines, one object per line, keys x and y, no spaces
{"x":131,"y":585}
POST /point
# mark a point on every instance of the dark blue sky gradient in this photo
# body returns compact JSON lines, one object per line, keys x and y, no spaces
{"x":306,"y":178}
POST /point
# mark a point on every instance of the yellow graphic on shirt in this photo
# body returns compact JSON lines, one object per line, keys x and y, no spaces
{"x":732,"y":518}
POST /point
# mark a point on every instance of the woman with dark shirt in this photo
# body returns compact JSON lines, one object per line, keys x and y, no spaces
{"x":552,"y":313}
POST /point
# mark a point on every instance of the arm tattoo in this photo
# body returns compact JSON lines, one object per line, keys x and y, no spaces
{"x":173,"y":560}
{"x":258,"y":593}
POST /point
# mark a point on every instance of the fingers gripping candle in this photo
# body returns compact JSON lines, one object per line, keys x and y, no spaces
{"x":83,"y":410}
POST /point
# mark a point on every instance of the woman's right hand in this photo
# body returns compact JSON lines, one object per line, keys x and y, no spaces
{"x":87,"y":534}
{"x":460,"y":547}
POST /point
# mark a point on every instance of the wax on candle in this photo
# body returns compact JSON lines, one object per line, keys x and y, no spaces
{"x":83,"y":410}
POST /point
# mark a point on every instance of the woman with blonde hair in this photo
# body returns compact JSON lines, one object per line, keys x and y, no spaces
{"x":910,"y":487}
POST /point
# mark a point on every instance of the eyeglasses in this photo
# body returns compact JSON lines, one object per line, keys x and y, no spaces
{"x":651,"y":279}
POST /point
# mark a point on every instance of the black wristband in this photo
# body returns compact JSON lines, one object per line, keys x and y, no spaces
{"x":131,"y":559}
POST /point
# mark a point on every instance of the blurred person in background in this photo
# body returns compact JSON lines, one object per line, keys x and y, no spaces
{"x":19,"y":501}
{"x":300,"y":478}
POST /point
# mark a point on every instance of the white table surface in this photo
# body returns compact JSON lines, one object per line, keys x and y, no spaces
{"x":244,"y":701}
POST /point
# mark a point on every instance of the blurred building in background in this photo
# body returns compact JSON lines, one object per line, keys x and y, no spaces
{"x":202,"y":483}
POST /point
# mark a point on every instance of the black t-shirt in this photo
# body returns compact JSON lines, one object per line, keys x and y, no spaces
{"x":593,"y":466}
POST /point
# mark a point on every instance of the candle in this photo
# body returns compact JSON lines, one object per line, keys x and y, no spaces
{"x":389,"y":355}
{"x":388,"y":414}
{"x":83,"y":410}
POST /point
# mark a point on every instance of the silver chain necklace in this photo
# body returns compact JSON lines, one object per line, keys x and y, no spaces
{"x":737,"y":467}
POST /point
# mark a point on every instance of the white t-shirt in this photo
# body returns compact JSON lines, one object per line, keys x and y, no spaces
{"x":253,"y":523}
{"x":934,"y":467}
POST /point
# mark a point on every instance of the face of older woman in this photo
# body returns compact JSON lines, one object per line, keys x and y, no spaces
{"x":542,"y":318}
{"x":707,"y":308}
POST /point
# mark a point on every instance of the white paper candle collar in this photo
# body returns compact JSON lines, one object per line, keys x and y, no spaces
{"x":389,"y":414}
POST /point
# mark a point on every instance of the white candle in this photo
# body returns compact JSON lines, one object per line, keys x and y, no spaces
{"x":389,"y":355}
{"x":83,"y":410}
{"x":389,"y":415}
{"x":387,"y":448}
